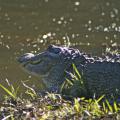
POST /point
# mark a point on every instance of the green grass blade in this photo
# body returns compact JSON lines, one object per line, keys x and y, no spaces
{"x":76,"y":105}
{"x":109,"y":106}
{"x":8,"y":91}
{"x":104,"y":108}
{"x":69,"y":82}
{"x":99,"y":99}
{"x":76,"y":71}
{"x":62,"y":87}
{"x":115,"y":107}
{"x":78,"y":75}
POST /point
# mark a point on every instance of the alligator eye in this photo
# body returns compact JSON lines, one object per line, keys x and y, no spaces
{"x":57,"y":50}
{"x":35,"y":62}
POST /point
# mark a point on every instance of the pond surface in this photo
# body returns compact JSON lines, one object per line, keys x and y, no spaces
{"x":31,"y":25}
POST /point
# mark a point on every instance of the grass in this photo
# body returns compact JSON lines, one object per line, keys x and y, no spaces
{"x":11,"y":91}
{"x":53,"y":106}
{"x":75,"y":86}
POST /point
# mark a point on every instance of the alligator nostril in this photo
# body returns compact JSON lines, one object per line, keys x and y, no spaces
{"x":19,"y":60}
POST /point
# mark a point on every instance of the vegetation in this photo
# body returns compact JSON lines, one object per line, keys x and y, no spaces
{"x":51,"y":106}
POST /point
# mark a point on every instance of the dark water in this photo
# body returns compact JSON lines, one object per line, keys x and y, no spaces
{"x":31,"y":25}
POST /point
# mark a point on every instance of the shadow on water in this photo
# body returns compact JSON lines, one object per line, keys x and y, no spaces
{"x":31,"y":25}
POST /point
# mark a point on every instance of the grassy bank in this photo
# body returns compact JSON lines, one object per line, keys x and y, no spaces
{"x":51,"y":106}
{"x":55,"y":107}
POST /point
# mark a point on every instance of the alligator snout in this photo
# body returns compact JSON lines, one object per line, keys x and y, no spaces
{"x":25,"y":58}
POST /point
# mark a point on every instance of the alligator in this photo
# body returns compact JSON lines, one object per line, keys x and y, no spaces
{"x":101,"y":74}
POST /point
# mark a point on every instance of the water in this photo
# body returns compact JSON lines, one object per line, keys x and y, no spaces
{"x":31,"y":25}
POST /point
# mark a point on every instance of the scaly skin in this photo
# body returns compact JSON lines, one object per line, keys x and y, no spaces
{"x":101,"y":75}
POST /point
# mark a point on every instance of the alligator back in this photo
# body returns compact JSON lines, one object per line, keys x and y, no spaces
{"x":102,"y":78}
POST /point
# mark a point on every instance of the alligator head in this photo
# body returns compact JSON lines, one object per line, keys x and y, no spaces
{"x":51,"y":64}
